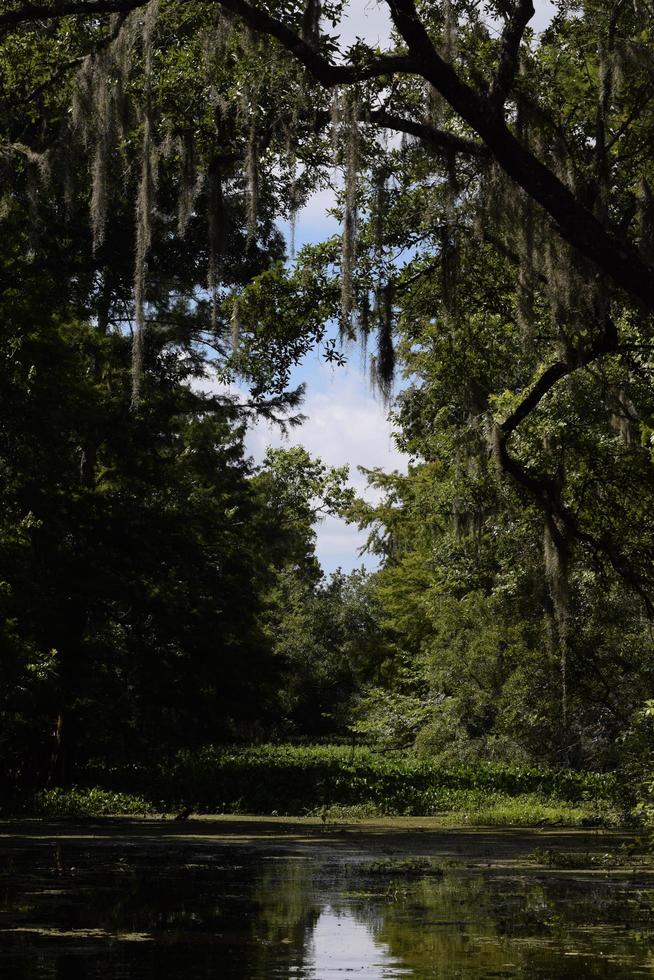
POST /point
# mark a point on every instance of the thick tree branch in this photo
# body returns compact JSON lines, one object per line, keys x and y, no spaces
{"x":575,"y":223}
{"x":320,"y":67}
{"x":520,"y":15}
{"x":563,"y":525}
{"x":440,"y":139}
{"x":323,"y":70}
{"x":30,"y":12}
{"x":607,"y":343}
{"x":618,"y":259}
{"x":545,"y":383}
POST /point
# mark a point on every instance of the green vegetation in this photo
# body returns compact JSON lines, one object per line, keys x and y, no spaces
{"x":631,"y":857}
{"x":160,"y":592}
{"x":294,"y":779}
{"x":399,"y":868}
{"x":335,"y":784}
{"x":76,"y":802}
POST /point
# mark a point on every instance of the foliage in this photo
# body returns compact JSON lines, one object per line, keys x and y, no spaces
{"x":326,"y":641}
{"x":157,"y":593}
{"x":315,"y":778}
{"x":95,"y":802}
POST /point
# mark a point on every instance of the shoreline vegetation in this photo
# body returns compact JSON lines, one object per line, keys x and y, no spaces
{"x":334,"y":783}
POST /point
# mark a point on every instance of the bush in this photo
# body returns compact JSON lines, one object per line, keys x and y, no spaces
{"x":92,"y":802}
{"x":292,"y":779}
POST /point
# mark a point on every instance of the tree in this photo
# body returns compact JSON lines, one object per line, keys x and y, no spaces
{"x":502,"y":251}
{"x":328,"y":643}
{"x":541,"y":143}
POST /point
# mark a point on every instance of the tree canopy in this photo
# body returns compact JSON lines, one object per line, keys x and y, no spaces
{"x":494,"y":188}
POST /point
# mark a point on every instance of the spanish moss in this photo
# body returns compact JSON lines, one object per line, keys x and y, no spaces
{"x":527,"y":270}
{"x":364,"y":321}
{"x":450,"y":42}
{"x":236,"y":325}
{"x":189,"y":184}
{"x":556,"y":572}
{"x":144,"y":204}
{"x":252,"y":177}
{"x":646,"y":221}
{"x":216,"y":233}
{"x":348,"y":254}
{"x":335,"y":117}
{"x":380,"y":208}
{"x":385,"y":360}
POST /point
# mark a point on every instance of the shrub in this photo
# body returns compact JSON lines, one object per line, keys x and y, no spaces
{"x":91,"y":802}
{"x":292,"y":779}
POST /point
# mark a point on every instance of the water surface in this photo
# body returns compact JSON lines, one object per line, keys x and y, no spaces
{"x":141,"y":902}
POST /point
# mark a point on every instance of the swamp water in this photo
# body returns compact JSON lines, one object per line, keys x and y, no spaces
{"x":253,"y":901}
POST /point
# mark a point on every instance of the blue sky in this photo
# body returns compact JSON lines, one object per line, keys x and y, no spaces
{"x":345,"y":422}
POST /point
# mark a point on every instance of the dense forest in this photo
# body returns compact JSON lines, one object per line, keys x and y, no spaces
{"x":159,"y":591}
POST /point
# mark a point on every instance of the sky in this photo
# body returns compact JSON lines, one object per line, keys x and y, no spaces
{"x":346,"y":423}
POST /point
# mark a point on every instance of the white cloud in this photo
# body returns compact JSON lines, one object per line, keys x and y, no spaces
{"x":345,"y":425}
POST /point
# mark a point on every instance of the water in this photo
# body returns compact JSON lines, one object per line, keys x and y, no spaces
{"x":145,"y":901}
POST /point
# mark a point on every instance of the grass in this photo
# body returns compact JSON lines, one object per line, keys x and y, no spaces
{"x":468,"y":808}
{"x":631,"y":856}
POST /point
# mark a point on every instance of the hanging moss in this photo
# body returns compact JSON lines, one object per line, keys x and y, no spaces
{"x":494,"y":443}
{"x":99,"y":109}
{"x":556,"y":571}
{"x":189,"y":183}
{"x":215,"y":41}
{"x":605,"y":96}
{"x":144,"y":206}
{"x":236,"y":325}
{"x":348,"y":248}
{"x":621,"y":418}
{"x":364,"y":322}
{"x":433,"y":105}
{"x":450,"y":41}
{"x":385,"y":360}
{"x":335,"y":117}
{"x":252,"y":177}
{"x":93,"y":119}
{"x":292,"y":217}
{"x":215,"y":231}
{"x":526,"y":231}
{"x":380,"y":208}
{"x":527,"y":269}
{"x":294,"y":188}
{"x":99,"y":193}
{"x":144,"y":202}
{"x":450,"y":259}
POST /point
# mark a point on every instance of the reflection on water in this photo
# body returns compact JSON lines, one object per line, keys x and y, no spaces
{"x":343,"y":944}
{"x":141,"y":908}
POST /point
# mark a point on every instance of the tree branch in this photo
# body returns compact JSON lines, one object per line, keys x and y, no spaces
{"x":562,"y":524}
{"x":440,"y":139}
{"x":606,"y":343}
{"x":574,"y":222}
{"x":514,"y":29}
{"x":30,"y":12}
{"x":323,"y":70}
